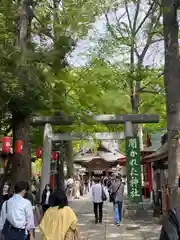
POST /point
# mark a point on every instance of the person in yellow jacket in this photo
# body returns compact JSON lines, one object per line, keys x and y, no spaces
{"x":59,"y":221}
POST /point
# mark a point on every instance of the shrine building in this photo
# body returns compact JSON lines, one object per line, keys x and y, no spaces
{"x":102,"y":162}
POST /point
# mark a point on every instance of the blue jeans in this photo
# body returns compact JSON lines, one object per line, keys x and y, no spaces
{"x":118,"y":211}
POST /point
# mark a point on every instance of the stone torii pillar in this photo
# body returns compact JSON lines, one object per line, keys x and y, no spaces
{"x":46,"y":160}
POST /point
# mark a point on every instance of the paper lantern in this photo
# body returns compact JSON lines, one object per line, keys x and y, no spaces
{"x":38,"y":152}
{"x":19,"y":146}
{"x":6,"y":144}
{"x":54,"y":156}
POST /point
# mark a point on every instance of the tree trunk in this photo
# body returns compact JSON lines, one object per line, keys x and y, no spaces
{"x":69,"y":158}
{"x":21,"y":164}
{"x":172,"y":86}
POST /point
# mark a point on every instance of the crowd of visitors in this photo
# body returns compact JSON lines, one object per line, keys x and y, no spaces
{"x":58,"y":221}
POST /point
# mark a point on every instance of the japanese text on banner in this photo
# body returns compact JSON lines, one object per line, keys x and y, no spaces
{"x":134,"y":169}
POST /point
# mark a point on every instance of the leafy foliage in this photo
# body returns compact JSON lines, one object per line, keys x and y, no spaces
{"x":41,"y":82}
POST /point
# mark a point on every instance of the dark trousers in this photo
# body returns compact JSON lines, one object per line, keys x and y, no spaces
{"x":98,"y":214}
{"x":12,"y":233}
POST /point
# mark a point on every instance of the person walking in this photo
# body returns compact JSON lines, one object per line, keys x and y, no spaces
{"x":86,"y":186}
{"x":69,"y":187}
{"x":5,"y":192}
{"x":45,"y":197}
{"x":97,"y":198}
{"x":17,"y":219}
{"x":116,"y":196}
{"x":59,"y":221}
{"x":77,"y":186}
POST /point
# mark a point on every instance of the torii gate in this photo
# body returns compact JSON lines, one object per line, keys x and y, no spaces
{"x":128,"y":121}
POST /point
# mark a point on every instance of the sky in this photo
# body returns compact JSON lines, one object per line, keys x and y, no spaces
{"x":79,"y":56}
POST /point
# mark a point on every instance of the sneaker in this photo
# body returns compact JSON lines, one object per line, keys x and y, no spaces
{"x":118,"y":224}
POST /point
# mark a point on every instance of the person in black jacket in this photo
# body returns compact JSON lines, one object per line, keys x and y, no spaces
{"x":45,"y":197}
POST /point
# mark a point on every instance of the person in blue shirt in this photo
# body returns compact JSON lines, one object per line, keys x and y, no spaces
{"x":17,"y":219}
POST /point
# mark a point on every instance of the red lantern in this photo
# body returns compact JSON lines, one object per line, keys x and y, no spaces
{"x":19,"y":146}
{"x":6,"y":144}
{"x":55,"y":156}
{"x":38,"y":152}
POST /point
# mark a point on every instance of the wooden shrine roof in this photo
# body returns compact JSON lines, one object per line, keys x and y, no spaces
{"x":107,"y":156}
{"x":160,"y":154}
{"x":101,"y":153}
{"x":155,"y":140}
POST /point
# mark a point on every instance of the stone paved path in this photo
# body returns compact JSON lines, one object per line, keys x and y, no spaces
{"x":129,"y":229}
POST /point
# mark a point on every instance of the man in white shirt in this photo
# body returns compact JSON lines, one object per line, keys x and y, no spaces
{"x":17,"y":219}
{"x":97,"y":200}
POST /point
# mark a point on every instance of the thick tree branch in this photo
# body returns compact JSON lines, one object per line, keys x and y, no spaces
{"x":148,"y":83}
{"x":136,"y":16}
{"x":146,"y":17}
{"x":157,"y":40}
{"x":149,"y":41}
{"x":113,"y":33}
{"x":118,"y":19}
{"x":128,"y":15}
{"x":149,"y":91}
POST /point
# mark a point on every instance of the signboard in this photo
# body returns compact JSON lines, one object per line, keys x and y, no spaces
{"x":134,"y":169}
{"x":98,"y":172}
{"x":145,"y":173}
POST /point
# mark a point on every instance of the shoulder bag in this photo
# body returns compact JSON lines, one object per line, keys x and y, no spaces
{"x":104,"y":198}
{"x":113,"y":195}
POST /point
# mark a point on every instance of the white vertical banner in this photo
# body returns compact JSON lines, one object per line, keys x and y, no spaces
{"x":116,"y":146}
{"x":90,"y":143}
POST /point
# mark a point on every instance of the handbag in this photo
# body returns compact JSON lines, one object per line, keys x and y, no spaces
{"x":72,"y":234}
{"x":38,"y":214}
{"x":104,"y":198}
{"x":113,"y":195}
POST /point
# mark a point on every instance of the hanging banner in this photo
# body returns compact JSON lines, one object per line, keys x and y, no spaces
{"x":38,"y":163}
{"x":33,"y":169}
{"x":147,"y":175}
{"x":133,"y":169}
